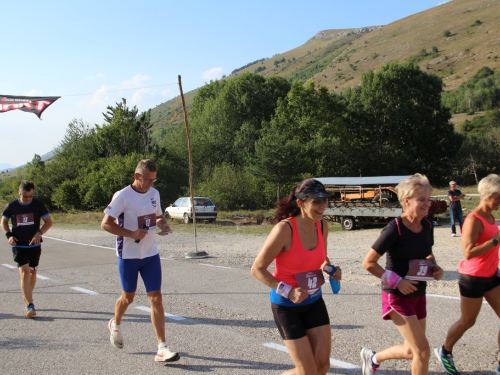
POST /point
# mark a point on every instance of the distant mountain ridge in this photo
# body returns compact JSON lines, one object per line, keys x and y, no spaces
{"x":452,"y":40}
{"x":5,"y":167}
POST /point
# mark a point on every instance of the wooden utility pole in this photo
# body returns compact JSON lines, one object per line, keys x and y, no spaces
{"x":196,"y":254}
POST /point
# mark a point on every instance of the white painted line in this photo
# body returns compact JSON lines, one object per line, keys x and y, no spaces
{"x":440,"y":296}
{"x":174,"y":317}
{"x":79,"y":243}
{"x":211,"y":265}
{"x":9,"y":266}
{"x":342,"y":364}
{"x":272,"y":345}
{"x":78,"y":289}
{"x":38,"y":276}
{"x":450,"y":297}
{"x":333,"y":362}
{"x":167,"y":315}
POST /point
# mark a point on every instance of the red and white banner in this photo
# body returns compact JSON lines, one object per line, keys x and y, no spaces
{"x":33,"y":104}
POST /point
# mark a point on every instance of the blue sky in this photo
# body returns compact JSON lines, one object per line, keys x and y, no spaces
{"x":68,"y":48}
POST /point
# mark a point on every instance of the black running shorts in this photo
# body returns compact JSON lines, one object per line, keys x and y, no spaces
{"x":476,"y":286}
{"x":29,"y":256}
{"x":294,"y":321}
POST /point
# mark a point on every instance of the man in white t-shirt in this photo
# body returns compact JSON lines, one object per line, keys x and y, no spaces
{"x":133,"y":215}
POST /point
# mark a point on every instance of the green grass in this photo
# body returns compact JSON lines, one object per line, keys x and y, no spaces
{"x":223,"y":225}
{"x":80,"y":220}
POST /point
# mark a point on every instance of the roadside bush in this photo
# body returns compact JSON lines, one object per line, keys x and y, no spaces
{"x":232,"y":188}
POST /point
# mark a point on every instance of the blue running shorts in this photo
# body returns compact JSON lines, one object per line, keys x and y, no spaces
{"x":149,"y":268}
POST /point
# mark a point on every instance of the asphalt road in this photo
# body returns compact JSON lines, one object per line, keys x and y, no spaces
{"x":218,"y":319}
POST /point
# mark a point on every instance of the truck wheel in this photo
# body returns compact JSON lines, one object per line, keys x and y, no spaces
{"x":386,"y":197}
{"x":348,"y":223}
{"x":186,"y":219}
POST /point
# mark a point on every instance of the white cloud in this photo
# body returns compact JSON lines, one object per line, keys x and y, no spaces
{"x":444,"y":2}
{"x":33,"y":92}
{"x":139,"y":95}
{"x":137,"y":81}
{"x":97,"y":76}
{"x":138,"y":91}
{"x":214,"y":73}
{"x":99,"y":97}
{"x":167,"y":93}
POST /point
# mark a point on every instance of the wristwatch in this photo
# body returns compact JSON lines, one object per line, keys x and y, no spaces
{"x":494,"y":241}
{"x":40,"y":231}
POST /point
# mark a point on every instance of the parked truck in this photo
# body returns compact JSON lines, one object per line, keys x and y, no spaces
{"x":367,"y":200}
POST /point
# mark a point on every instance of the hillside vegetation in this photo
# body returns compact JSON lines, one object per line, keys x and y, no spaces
{"x":276,"y":121}
{"x":337,"y":59}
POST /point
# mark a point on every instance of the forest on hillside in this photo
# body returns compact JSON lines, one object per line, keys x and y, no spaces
{"x":253,"y":138}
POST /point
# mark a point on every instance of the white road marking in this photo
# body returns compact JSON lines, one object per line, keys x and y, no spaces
{"x":449,"y":297}
{"x":167,"y":315}
{"x":91,"y":292}
{"x":333,"y":362}
{"x":211,"y":265}
{"x":38,"y":276}
{"x":440,"y":296}
{"x":79,"y":243}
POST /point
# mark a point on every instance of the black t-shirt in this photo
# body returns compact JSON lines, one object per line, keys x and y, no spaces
{"x":25,"y":219}
{"x":455,"y":205}
{"x":402,"y":245}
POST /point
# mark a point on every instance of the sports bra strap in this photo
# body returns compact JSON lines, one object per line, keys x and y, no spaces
{"x":397,"y":223}
{"x":290,"y":225}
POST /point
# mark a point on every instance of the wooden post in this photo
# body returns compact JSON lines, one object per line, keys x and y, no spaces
{"x":196,"y":253}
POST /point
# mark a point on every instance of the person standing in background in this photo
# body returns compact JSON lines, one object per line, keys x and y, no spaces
{"x":456,"y":214}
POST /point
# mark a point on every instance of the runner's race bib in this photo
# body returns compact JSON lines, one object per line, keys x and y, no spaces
{"x":310,"y":281}
{"x":420,"y":270}
{"x":146,"y":221}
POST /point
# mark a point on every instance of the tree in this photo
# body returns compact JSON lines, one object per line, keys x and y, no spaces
{"x":397,"y":125}
{"x":36,"y":172}
{"x":123,"y":132}
{"x":278,"y":158}
{"x":312,"y":118}
{"x":232,"y":188}
{"x":227,"y":116}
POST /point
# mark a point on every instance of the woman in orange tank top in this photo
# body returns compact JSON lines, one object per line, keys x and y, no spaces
{"x":479,"y":274}
{"x":297,"y":245}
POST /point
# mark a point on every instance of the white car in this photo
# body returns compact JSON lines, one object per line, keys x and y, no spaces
{"x":182,"y":209}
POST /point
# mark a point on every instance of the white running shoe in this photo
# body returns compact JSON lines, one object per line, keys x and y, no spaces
{"x":116,"y":337}
{"x":166,"y":355}
{"x":453,"y":234}
{"x":368,"y":368}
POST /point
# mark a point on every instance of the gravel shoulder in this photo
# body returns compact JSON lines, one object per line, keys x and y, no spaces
{"x":346,"y":248}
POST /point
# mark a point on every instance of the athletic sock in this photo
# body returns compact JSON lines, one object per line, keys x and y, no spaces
{"x":115,"y":327}
{"x":162,"y":345}
{"x":374,"y":360}
{"x":445,"y":352}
